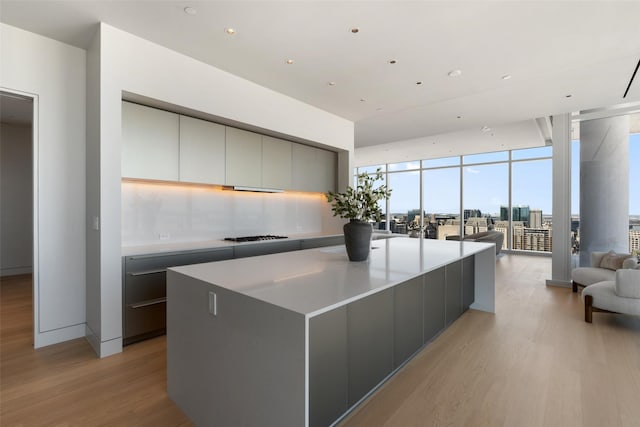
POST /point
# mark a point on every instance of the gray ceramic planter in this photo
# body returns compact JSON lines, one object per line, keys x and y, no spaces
{"x":357,"y":239}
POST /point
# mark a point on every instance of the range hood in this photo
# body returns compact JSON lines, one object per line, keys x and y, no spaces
{"x":252,"y":189}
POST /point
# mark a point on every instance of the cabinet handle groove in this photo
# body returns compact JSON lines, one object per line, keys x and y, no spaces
{"x":148,"y":303}
{"x":143,"y":273}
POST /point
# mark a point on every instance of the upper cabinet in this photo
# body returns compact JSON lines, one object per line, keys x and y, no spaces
{"x":202,"y":151}
{"x":276,"y":163}
{"x":160,"y":145}
{"x":149,"y":143}
{"x":314,"y":169}
{"x":244,"y":158}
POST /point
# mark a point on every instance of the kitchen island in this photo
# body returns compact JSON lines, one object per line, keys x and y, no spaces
{"x":300,"y":338}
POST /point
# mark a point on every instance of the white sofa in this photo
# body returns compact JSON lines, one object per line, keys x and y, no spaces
{"x":586,"y":276}
{"x":622,"y":295}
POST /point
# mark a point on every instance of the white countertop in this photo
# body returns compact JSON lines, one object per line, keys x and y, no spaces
{"x":169,"y":246}
{"x":313,"y":281}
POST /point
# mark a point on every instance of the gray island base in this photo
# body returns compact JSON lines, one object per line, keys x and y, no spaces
{"x":300,"y":338}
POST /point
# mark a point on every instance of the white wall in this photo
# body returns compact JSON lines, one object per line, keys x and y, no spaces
{"x":54,"y":74}
{"x":130,"y":64}
{"x":16,"y":204}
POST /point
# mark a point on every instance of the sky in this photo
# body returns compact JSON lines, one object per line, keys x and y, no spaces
{"x":486,"y":186}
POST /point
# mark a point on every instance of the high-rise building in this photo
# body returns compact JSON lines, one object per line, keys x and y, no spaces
{"x":519,"y":213}
{"x":535,"y":218}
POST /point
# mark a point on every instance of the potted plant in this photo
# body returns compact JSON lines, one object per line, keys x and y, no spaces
{"x":360,"y":206}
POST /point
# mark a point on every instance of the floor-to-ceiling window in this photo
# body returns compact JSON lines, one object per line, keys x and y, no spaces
{"x":531,"y":199}
{"x":404,"y":205}
{"x":441,"y":197}
{"x":485,"y":183}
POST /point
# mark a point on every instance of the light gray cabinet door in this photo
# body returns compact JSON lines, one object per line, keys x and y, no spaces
{"x":468,"y":282}
{"x":370,"y":342}
{"x":327,"y":172}
{"x":244,"y":158}
{"x":434,"y":303}
{"x":327,"y":367}
{"x":276,"y":163}
{"x":314,"y":169}
{"x":408,"y":323}
{"x":453,"y":291}
{"x":149,"y":143}
{"x":202,"y":151}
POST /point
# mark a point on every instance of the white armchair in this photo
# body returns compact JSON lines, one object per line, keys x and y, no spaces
{"x":603,"y":268}
{"x":619,"y":296}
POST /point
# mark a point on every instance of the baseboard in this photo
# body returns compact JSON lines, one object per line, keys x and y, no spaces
{"x":103,"y":348}
{"x":559,"y":283}
{"x":15,"y":271}
{"x":43,"y":339}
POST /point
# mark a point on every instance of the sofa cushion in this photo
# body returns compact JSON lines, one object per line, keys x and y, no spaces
{"x":589,"y":275}
{"x":613,"y":261}
{"x":628,"y":283}
{"x":604,"y":297}
{"x":631,"y":262}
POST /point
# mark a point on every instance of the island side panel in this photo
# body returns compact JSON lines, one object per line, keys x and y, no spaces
{"x":243,"y":366}
{"x":485,"y":281}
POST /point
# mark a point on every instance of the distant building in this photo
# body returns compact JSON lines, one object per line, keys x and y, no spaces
{"x":475,"y":225}
{"x":634,"y":240}
{"x":535,"y":218}
{"x":519,"y":213}
{"x":472,"y":213}
{"x":445,"y":230}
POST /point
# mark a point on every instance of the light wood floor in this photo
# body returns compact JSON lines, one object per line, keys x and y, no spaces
{"x":534,"y":363}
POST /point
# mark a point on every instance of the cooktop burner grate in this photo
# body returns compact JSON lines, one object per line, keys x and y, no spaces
{"x":254,"y":238}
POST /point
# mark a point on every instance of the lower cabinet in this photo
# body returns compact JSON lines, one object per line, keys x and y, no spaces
{"x":369,"y":343}
{"x":468,"y":281}
{"x":434,"y":303}
{"x":144,"y":290}
{"x":354,"y":347}
{"x":453,"y":292}
{"x":407,"y":320}
{"x":322,"y":242}
{"x":266,"y":248}
{"x":328,"y":367}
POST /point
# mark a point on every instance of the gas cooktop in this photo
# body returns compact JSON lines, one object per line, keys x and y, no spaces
{"x":253,"y":238}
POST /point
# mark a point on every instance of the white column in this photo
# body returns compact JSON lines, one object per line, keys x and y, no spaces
{"x":561,"y":255}
{"x":604,"y":186}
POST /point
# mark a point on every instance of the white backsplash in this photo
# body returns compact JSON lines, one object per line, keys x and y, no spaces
{"x":154,"y":213}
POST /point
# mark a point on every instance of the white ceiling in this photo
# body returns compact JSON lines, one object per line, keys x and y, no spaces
{"x":550,"y":49}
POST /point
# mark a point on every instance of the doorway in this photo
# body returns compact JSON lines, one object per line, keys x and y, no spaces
{"x":17,"y":235}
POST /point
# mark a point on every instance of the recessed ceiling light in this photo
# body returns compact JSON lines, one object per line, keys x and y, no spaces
{"x":506,"y":77}
{"x":331,"y":83}
{"x":230,"y":31}
{"x":355,"y":30}
{"x":289,"y":61}
{"x":418,"y":83}
{"x":459,"y":117}
{"x":454,"y":73}
{"x":190,"y":10}
{"x":485,"y":129}
{"x":393,"y":61}
{"x":568,"y":96}
{"x":362,"y":99}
